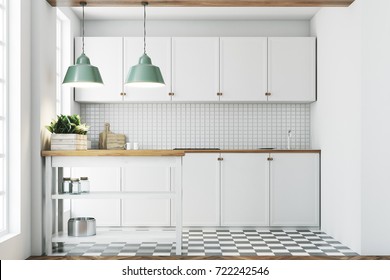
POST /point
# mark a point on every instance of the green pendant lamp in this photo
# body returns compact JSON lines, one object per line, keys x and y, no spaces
{"x":83,"y":74}
{"x":145,"y":74}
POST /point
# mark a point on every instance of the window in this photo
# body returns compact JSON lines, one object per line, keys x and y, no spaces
{"x":59,"y":66}
{"x":3,"y":119}
{"x":64,"y":94}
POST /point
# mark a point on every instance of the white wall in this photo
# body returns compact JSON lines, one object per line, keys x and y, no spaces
{"x":74,"y":31}
{"x":43,"y":86}
{"x":349,"y":123}
{"x":198,"y":28}
{"x":375,"y":128}
{"x":19,"y":246}
{"x":336,"y":120}
{"x":43,"y":73}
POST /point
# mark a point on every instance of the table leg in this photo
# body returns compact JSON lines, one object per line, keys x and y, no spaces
{"x":60,"y":221}
{"x":48,"y":208}
{"x":179,"y":208}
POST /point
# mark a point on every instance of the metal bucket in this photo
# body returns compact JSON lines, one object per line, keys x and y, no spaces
{"x":82,"y":226}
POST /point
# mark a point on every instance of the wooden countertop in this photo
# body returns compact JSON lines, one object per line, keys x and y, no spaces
{"x":116,"y":153}
{"x":260,"y":151}
{"x":169,"y":153}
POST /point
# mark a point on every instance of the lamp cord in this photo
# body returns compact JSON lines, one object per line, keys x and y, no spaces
{"x":144,"y":27}
{"x":83,"y":4}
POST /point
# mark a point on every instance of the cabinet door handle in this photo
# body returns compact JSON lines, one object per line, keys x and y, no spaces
{"x":219,"y":93}
{"x":171,"y":94}
{"x":270,"y":159}
{"x":267,"y":94}
{"x":220,"y":159}
{"x":123,"y":93}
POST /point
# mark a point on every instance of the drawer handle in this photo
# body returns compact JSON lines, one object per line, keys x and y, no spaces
{"x":270,"y":159}
{"x":267,"y":94}
{"x":220,"y":159}
{"x":171,"y":94}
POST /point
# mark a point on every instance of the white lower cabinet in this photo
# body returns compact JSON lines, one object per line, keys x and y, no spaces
{"x":146,"y":212}
{"x":101,"y":179}
{"x":248,"y":189}
{"x":294,"y":190}
{"x":244,"y":189}
{"x":201,"y":190}
{"x":228,"y":189}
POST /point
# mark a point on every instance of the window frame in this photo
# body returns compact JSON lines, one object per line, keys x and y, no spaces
{"x":4,"y":6}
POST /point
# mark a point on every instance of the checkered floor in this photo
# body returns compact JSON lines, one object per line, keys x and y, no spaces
{"x":222,"y":242}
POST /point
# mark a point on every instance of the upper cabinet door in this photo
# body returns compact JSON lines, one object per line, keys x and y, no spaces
{"x":195,"y":69}
{"x":292,"y":69}
{"x":159,"y":50}
{"x":106,"y":54}
{"x":243,"y":69}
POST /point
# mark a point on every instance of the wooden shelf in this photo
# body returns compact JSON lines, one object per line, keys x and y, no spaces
{"x":106,"y":236}
{"x":114,"y":195}
{"x":115,"y":153}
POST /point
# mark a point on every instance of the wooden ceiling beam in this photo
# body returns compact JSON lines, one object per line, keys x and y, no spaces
{"x":205,"y":3}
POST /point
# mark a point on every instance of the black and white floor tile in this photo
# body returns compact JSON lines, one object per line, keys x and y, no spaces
{"x":222,"y":242}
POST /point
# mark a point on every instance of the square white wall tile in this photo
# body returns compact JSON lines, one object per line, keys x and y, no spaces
{"x":225,"y":126}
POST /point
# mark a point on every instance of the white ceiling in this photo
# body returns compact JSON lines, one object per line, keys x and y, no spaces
{"x":197,"y":13}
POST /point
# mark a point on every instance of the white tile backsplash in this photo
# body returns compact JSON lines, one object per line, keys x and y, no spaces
{"x":225,"y":126}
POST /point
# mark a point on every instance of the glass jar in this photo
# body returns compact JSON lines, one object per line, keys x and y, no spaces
{"x":66,"y":183}
{"x":75,"y":186}
{"x":84,"y":185}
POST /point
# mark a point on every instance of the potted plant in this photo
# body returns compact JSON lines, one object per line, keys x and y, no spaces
{"x":68,"y":133}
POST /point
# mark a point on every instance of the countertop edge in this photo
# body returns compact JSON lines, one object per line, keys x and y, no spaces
{"x":140,"y":153}
{"x":172,"y":153}
{"x":267,"y":151}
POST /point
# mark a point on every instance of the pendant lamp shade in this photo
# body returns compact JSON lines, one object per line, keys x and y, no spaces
{"x":83,"y":74}
{"x":145,"y":74}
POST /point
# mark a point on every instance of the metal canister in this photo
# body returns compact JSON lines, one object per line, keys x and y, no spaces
{"x":82,"y":226}
{"x":75,"y":186}
{"x":66,"y":185}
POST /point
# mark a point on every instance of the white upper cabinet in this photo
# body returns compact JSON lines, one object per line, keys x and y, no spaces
{"x":106,"y":54}
{"x":292,"y":69}
{"x":294,"y":187}
{"x":159,"y":50}
{"x":205,"y":69}
{"x":243,"y":70}
{"x":244,"y":189}
{"x":195,"y":69}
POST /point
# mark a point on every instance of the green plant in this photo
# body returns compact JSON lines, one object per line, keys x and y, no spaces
{"x":67,"y":125}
